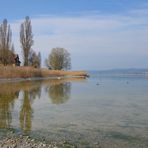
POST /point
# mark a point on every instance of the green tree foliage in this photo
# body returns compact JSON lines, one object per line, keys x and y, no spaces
{"x":59,"y":59}
{"x":26,"y":39}
{"x":6,"y":48}
{"x":34,"y":59}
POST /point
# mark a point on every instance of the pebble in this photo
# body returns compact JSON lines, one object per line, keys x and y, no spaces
{"x":32,"y":140}
{"x":28,"y":142}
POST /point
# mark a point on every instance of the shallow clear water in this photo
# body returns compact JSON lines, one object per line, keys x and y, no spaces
{"x":106,"y":110}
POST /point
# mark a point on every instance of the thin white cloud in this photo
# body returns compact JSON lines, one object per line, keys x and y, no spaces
{"x":95,"y":34}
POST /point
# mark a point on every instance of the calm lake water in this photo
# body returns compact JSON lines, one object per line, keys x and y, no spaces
{"x":110,"y":111}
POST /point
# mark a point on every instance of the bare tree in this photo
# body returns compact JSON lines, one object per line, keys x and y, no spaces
{"x":6,"y":47}
{"x":39,"y":59}
{"x":26,"y":39}
{"x":34,"y":59}
{"x":59,"y":59}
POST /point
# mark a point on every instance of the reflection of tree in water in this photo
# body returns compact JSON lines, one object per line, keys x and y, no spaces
{"x":7,"y":97}
{"x":60,"y":93}
{"x":26,"y":113}
{"x":26,"y":109}
{"x":35,"y":92}
{"x":9,"y":92}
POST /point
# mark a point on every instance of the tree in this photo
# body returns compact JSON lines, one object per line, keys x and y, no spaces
{"x":6,"y":47}
{"x":34,"y":59}
{"x":39,"y":59}
{"x":26,"y":39}
{"x":59,"y":59}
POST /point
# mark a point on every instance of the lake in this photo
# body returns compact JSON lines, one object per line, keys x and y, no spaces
{"x":101,"y":110}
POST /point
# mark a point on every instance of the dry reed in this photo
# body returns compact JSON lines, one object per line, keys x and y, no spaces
{"x":30,"y":72}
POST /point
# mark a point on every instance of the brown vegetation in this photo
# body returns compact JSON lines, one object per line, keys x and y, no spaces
{"x":30,"y":72}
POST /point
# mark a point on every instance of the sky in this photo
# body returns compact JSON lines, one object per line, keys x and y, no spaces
{"x":99,"y":34}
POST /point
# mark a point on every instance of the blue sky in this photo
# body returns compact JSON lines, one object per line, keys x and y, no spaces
{"x":99,"y":34}
{"x":20,"y":8}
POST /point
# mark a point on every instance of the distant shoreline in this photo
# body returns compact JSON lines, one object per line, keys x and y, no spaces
{"x":125,"y":74}
{"x":121,"y":73}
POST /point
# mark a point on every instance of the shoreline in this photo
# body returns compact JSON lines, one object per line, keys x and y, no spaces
{"x":3,"y":80}
{"x":28,"y":142}
{"x":10,"y":73}
{"x":17,"y":140}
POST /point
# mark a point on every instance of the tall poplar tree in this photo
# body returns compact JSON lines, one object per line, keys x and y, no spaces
{"x":26,"y":39}
{"x":6,"y":52}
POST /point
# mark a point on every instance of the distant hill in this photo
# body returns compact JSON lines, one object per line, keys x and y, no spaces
{"x":126,"y":71}
{"x":122,"y":72}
